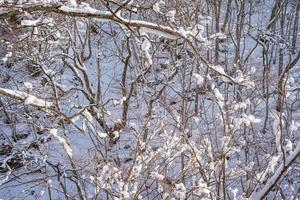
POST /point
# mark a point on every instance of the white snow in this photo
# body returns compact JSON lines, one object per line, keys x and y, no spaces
{"x":30,"y":22}
{"x":50,"y":72}
{"x":156,"y":8}
{"x":260,"y":192}
{"x":171,"y":15}
{"x":87,"y":115}
{"x":102,"y":134}
{"x":123,"y":100}
{"x":246,"y":119}
{"x":218,"y":94}
{"x":180,"y":191}
{"x":218,"y":68}
{"x":241,"y":105}
{"x":158,"y":176}
{"x":8,"y":55}
{"x":199,"y":79}
{"x":119,"y":102}
{"x":294,"y":125}
{"x":218,"y":35}
{"x":72,"y":3}
{"x":277,"y":125}
{"x":252,"y":119}
{"x":116,"y":135}
{"x":27,"y":98}
{"x":288,"y":147}
{"x":66,"y":146}
{"x":86,"y":9}
{"x":240,"y":77}
{"x":75,"y":119}
{"x":146,"y":45}
{"x":28,"y":85}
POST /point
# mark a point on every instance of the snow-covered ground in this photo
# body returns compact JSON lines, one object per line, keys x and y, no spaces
{"x":194,"y":130}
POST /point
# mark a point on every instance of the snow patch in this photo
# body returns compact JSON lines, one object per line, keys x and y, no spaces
{"x":66,"y":146}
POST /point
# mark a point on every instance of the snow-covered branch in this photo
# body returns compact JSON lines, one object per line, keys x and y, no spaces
{"x":27,"y":98}
{"x":283,"y":167}
{"x":149,"y":99}
{"x":88,"y":12}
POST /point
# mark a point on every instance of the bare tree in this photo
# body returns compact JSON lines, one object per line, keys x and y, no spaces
{"x":149,"y":100}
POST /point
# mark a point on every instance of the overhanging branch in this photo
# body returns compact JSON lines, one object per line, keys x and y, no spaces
{"x":88,"y":12}
{"x":23,"y":96}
